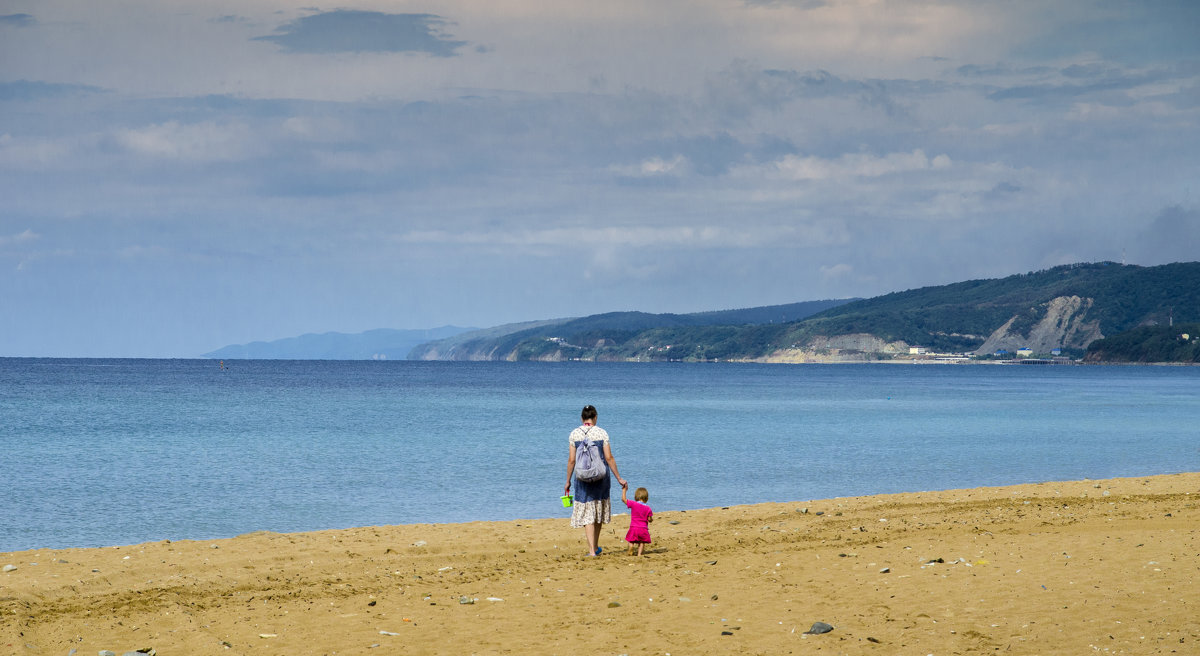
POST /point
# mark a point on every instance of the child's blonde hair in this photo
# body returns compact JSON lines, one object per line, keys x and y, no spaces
{"x":641,"y":494}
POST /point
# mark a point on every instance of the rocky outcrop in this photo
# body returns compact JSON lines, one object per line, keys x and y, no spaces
{"x":454,"y":352}
{"x":857,"y":347}
{"x":861,"y":342}
{"x":1063,"y":323}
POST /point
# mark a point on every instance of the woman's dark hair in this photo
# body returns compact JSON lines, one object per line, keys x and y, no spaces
{"x":589,"y":412}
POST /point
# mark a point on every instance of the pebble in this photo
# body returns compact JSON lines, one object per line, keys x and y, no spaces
{"x":10,"y":568}
{"x":105,"y":652}
{"x":466,"y":600}
{"x":819,"y":628}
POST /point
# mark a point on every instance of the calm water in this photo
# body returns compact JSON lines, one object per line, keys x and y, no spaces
{"x":105,"y":452}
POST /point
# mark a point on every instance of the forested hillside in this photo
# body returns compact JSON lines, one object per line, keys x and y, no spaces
{"x":602,"y":332}
{"x":1178,"y":343}
{"x":961,"y":316}
{"x":1064,"y":308}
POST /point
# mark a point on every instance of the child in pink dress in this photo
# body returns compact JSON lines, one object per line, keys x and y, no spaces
{"x":640,"y":517}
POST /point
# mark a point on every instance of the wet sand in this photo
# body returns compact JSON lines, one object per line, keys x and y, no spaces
{"x":1084,"y":567}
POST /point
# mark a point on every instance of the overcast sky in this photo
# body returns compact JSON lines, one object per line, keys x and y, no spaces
{"x":176,"y":176}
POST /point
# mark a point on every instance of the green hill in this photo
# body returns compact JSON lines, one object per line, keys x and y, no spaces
{"x":1174,"y":343}
{"x":1064,"y":308}
{"x":602,"y":335}
{"x":1009,"y":311}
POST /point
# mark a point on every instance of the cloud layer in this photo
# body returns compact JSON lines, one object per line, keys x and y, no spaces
{"x":195,"y":176}
{"x":345,"y":30}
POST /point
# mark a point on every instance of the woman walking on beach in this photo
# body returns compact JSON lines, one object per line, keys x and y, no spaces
{"x":591,"y":507}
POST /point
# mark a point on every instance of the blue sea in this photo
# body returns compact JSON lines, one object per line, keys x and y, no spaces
{"x":111,"y":452}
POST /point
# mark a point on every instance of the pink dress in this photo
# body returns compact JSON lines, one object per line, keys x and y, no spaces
{"x":639,"y":522}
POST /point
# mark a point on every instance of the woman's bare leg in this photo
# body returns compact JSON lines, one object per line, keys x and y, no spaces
{"x":592,"y":531}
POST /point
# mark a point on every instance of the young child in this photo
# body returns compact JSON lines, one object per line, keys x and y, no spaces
{"x":640,"y":517}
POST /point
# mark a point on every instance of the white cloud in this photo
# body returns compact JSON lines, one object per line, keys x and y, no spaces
{"x":20,"y":238}
{"x":37,"y":153}
{"x":834,"y":271}
{"x":206,"y":141}
{"x":1144,"y":110}
{"x":321,"y":129}
{"x":654,"y":167}
{"x":848,"y":166}
{"x":746,"y":235}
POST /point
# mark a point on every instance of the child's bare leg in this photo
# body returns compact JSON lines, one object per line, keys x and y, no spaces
{"x":641,"y":545}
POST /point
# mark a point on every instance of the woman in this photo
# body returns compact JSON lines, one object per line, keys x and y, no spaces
{"x":591,"y":507}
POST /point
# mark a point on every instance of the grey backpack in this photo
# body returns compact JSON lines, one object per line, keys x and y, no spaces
{"x":589,"y":464}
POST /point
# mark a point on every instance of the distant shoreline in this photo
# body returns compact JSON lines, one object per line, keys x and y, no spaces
{"x":770,"y":360}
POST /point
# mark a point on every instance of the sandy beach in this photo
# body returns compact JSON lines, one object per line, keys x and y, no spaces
{"x":1109,"y":567}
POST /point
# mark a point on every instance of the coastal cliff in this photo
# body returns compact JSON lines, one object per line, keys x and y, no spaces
{"x":1063,"y":323}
